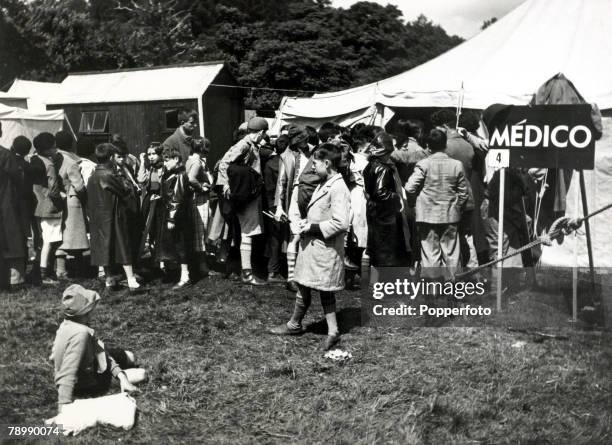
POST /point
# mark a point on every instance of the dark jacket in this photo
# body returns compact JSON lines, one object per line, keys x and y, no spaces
{"x":388,"y":232}
{"x":181,"y":142}
{"x":245,"y":185}
{"x":307,"y":183}
{"x":27,"y":201}
{"x":271,"y":173}
{"x":108,"y":221}
{"x":461,"y":150}
{"x":406,"y":157}
{"x":12,"y":230}
{"x":174,"y":244}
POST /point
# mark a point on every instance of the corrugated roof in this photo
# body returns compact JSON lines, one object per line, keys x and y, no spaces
{"x":137,"y":85}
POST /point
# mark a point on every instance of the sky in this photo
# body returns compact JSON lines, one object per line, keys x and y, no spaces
{"x":461,"y":17}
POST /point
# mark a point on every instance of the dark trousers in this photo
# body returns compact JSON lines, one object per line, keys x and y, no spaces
{"x":103,"y":381}
{"x":274,"y":245}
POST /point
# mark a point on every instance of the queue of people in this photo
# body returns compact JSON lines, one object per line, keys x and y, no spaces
{"x":328,"y":204}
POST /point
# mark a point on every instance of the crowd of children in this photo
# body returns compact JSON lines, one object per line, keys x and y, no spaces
{"x":329,"y":204}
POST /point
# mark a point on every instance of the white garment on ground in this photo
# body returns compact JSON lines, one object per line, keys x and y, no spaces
{"x":118,"y":410}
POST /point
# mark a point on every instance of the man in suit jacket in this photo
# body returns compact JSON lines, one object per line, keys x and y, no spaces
{"x":441,"y":188}
{"x":182,"y":138}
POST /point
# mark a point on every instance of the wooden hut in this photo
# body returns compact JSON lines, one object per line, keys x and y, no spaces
{"x":142,"y":104}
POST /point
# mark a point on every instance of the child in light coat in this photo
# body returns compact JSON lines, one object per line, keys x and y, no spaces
{"x":320,"y":260}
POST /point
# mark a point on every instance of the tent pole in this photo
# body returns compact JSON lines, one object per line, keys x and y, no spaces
{"x":70,"y":126}
{"x":201,"y":115}
{"x":587,"y":227}
{"x":459,"y":105}
{"x":500,"y":236}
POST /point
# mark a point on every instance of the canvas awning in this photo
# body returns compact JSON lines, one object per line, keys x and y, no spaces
{"x":21,"y":122}
{"x":505,"y":63}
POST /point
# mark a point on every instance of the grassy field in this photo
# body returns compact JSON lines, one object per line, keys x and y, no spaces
{"x":217,"y":377}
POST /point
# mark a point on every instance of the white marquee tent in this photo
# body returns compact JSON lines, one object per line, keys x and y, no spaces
{"x":21,"y":122}
{"x":35,"y":93}
{"x":505,"y":63}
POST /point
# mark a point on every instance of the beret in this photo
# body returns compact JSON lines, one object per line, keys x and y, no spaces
{"x":78,"y":301}
{"x":257,"y":123}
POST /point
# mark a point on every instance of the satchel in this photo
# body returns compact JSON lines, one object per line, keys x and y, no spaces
{"x":245,"y":185}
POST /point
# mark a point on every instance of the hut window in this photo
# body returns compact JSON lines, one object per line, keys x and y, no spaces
{"x":171,"y":119}
{"x":94,"y":122}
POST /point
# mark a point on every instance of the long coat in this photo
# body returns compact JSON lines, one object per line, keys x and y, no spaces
{"x":27,"y":200}
{"x":388,"y":229}
{"x":174,"y":245}
{"x":320,"y":261}
{"x":12,"y":232}
{"x":74,"y":226}
{"x":108,"y":220}
{"x":200,"y":181}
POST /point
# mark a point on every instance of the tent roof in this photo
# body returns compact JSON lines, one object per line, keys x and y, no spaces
{"x":36,"y":93}
{"x":505,"y":63}
{"x":31,"y":89}
{"x":137,"y":85}
{"x":8,"y":95}
{"x":13,"y":113}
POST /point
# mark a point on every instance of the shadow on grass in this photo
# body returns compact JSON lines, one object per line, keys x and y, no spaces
{"x":348,"y":318}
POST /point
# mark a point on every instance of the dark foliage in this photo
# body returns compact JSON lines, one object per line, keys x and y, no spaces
{"x":294,"y":45}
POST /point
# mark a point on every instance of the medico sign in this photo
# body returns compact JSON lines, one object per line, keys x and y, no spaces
{"x":543,"y":136}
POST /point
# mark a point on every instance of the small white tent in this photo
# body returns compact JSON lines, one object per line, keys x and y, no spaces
{"x":36,"y":93}
{"x":505,"y":63}
{"x":20,"y":122}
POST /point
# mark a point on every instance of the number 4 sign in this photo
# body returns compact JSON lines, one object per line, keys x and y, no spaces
{"x":498,"y":158}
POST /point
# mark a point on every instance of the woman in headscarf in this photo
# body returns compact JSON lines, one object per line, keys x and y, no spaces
{"x":386,"y":210}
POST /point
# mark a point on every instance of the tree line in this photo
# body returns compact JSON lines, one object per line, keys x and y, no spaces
{"x":303,"y":45}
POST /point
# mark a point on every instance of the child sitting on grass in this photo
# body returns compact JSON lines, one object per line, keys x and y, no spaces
{"x":82,"y":366}
{"x":320,"y":260}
